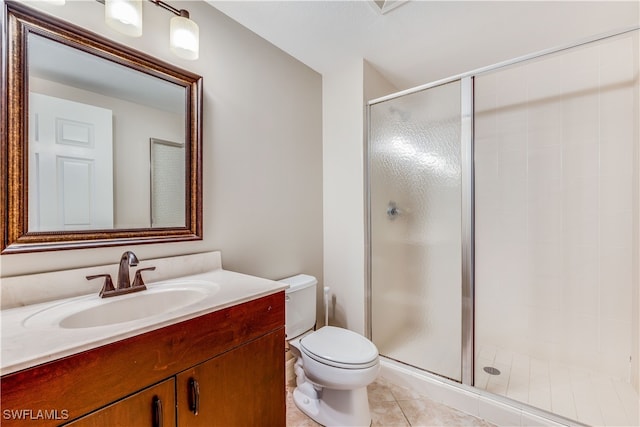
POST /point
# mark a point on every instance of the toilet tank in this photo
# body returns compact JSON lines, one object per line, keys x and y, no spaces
{"x":300,"y":304}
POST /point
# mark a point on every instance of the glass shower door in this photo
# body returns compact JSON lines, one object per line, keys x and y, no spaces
{"x":415,"y":229}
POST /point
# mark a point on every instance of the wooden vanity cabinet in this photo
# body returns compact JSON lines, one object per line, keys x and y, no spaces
{"x":153,"y":406}
{"x":234,"y":389}
{"x":236,"y":355}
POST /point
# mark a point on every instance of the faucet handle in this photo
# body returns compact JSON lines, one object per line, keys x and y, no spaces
{"x":137,"y":280}
{"x":108,"y":283}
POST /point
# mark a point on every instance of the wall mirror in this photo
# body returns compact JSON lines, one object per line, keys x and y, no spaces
{"x":101,"y":144}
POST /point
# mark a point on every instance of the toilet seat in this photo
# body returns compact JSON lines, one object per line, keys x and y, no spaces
{"x":340,"y":348}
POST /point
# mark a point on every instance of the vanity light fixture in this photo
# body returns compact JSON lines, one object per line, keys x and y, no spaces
{"x":184,"y":36}
{"x":125,"y":16}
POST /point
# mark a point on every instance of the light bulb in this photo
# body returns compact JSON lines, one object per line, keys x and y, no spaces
{"x":184,"y":37}
{"x":124,"y":16}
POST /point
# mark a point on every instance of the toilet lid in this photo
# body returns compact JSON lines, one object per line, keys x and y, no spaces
{"x":339,"y":347}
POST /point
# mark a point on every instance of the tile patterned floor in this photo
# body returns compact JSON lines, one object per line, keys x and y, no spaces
{"x":575,"y":393}
{"x":393,"y":406}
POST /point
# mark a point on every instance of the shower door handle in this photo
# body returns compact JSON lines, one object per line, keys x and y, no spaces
{"x":392,"y":210}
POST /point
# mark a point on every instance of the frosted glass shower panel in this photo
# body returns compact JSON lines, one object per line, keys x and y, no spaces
{"x":415,"y":208}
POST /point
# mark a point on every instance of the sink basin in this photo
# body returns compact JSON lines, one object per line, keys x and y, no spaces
{"x":92,"y":311}
{"x":136,"y":307}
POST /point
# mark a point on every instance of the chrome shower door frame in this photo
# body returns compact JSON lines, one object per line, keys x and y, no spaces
{"x":467,"y":245}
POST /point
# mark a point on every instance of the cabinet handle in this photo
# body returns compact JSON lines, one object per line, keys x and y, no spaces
{"x":157,"y":412}
{"x":194,"y":396}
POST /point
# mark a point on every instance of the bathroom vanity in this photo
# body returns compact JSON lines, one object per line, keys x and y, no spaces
{"x":201,"y":345}
{"x":217,"y":362}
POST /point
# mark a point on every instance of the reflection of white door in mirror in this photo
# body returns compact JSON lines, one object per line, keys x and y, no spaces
{"x":70,"y":165}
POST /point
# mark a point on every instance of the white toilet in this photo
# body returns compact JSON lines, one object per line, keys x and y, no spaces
{"x":334,"y":366}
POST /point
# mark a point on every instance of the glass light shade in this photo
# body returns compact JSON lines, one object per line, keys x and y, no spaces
{"x":184,"y":37}
{"x":124,"y":16}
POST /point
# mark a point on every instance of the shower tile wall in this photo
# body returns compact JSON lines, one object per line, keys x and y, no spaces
{"x":556,"y":172}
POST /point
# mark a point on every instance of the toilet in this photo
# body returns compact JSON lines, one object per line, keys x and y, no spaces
{"x":334,"y":366}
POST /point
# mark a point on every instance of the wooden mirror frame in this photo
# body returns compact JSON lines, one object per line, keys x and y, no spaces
{"x":20,"y":20}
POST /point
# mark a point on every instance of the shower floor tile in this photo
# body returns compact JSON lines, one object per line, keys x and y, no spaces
{"x":394,"y":406}
{"x":573,"y":392}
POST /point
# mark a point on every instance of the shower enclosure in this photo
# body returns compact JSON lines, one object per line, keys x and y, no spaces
{"x":504,"y":229}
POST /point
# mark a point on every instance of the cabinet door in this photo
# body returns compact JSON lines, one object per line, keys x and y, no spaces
{"x":151,"y":407}
{"x":243,"y":387}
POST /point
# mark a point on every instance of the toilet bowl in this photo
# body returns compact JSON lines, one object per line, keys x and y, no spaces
{"x":333,"y":365}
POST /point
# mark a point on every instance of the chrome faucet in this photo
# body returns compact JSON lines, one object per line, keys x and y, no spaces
{"x":123,"y":285}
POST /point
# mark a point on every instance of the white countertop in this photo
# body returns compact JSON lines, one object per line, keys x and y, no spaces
{"x":26,"y":346}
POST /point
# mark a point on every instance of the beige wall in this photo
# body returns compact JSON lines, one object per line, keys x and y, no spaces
{"x":345,"y":91}
{"x":262,"y":149}
{"x":343,"y":198}
{"x":375,"y":83}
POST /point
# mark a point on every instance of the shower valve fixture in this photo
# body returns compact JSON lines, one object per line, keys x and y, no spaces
{"x":392,"y":210}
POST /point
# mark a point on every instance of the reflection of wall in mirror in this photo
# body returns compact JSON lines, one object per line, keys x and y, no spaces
{"x":131,"y":147}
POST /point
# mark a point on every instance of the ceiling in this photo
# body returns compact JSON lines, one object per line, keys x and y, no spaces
{"x":422,"y":41}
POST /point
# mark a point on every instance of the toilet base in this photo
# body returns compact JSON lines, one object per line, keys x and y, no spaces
{"x":335,"y":408}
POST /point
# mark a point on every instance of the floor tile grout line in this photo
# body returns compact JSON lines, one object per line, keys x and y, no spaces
{"x":401,"y":410}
